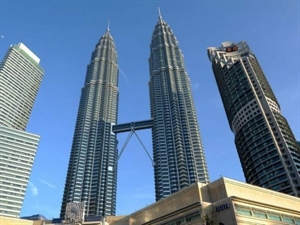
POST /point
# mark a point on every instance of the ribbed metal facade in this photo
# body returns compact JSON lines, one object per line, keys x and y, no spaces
{"x":92,"y":171}
{"x":177,"y":147}
{"x":20,"y":78}
{"x":267,"y":148}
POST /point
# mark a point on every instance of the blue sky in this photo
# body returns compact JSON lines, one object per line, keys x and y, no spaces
{"x":64,"y":33}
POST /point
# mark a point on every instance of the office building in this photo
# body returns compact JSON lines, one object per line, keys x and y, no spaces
{"x":177,"y":147}
{"x":17,"y":152}
{"x":20,"y":78}
{"x":92,"y":171}
{"x":267,"y":148}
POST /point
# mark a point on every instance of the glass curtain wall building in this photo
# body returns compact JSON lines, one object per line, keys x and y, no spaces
{"x":267,"y":148}
{"x":20,"y":79}
{"x":92,"y":171}
{"x":177,"y":147}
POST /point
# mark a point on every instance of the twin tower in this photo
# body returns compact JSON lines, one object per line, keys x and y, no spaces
{"x":177,"y":149}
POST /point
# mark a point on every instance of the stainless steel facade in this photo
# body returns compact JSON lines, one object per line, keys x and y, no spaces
{"x":267,"y":148}
{"x":20,"y":78}
{"x":92,"y":171}
{"x":177,"y":146}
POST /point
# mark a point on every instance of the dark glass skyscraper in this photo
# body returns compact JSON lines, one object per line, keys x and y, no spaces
{"x":92,"y":171}
{"x":177,"y":147}
{"x":268,"y":150}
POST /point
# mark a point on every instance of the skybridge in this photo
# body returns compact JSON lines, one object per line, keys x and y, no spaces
{"x":132,"y":127}
{"x":127,"y":127}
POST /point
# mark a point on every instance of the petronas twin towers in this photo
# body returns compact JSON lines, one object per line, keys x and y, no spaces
{"x":92,"y":171}
{"x":177,"y":148}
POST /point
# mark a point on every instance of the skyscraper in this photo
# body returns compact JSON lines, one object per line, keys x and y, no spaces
{"x":267,"y":148}
{"x":20,"y":78}
{"x":92,"y":171}
{"x":177,"y":147}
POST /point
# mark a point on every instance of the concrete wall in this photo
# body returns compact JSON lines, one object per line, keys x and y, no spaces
{"x":14,"y":221}
{"x":181,"y":199}
{"x":262,"y":195}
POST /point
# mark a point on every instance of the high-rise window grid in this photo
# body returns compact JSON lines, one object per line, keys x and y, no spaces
{"x":177,"y":149}
{"x":266,"y":145}
{"x":20,"y":78}
{"x":92,"y":171}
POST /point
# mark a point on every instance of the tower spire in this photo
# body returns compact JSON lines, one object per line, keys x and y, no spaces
{"x":159,"y":14}
{"x":108,"y":25}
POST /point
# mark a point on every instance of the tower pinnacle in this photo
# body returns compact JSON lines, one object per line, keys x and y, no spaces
{"x":159,"y":14}
{"x":108,"y":25}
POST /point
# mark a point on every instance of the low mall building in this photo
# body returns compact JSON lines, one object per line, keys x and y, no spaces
{"x":222,"y":202}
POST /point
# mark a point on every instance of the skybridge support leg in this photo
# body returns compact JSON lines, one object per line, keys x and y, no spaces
{"x":153,"y":164}
{"x":126,"y":142}
{"x":132,"y":131}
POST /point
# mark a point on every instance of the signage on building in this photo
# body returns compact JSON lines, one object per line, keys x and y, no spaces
{"x":222,"y":207}
{"x":74,"y":212}
{"x":232,"y":48}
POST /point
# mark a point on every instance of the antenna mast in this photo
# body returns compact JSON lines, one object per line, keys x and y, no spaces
{"x":108,"y":25}
{"x":159,"y":14}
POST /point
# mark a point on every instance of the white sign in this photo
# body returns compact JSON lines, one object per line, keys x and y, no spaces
{"x":75,"y":212}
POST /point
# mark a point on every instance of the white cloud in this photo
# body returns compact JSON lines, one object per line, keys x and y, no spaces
{"x":47,"y":183}
{"x":123,"y":74}
{"x":196,"y":86}
{"x":33,"y":189}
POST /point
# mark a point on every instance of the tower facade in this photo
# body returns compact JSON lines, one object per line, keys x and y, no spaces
{"x":267,"y":148}
{"x":20,"y":78}
{"x":177,"y":147}
{"x":92,"y":171}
